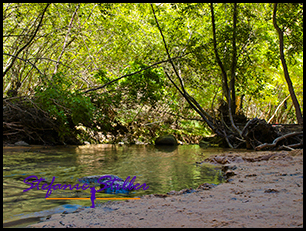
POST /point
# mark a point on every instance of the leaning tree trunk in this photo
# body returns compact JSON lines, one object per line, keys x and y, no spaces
{"x":286,"y":73}
{"x":256,"y":133}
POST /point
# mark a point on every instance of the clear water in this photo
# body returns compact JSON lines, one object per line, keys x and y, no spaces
{"x":163,"y":170}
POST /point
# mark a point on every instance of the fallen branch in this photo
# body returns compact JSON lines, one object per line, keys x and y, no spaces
{"x":266,"y":145}
{"x":292,"y":146}
{"x":287,"y":147}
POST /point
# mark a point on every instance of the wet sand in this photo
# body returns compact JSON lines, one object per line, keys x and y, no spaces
{"x":264,"y":189}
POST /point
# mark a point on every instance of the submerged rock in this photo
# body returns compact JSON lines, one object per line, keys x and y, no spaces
{"x":166,"y":140}
{"x":21,"y":143}
{"x":111,"y":181}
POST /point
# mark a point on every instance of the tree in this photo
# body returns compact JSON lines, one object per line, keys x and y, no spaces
{"x":246,"y":135}
{"x":116,"y":55}
{"x":229,"y":91}
{"x":286,"y":73}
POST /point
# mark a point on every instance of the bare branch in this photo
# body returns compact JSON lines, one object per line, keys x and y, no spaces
{"x":278,"y":108}
{"x":167,"y":51}
{"x":28,"y":43}
{"x":66,"y":38}
{"x":266,"y":145}
{"x":25,"y":60}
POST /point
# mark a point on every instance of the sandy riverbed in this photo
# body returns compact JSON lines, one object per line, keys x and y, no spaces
{"x":264,"y":189}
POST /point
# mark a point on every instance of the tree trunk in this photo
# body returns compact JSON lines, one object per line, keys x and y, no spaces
{"x":286,"y":73}
{"x":224,"y":76}
{"x":234,"y":62}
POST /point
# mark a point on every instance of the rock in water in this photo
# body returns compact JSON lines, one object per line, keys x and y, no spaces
{"x":166,"y":140}
{"x":21,"y":143}
{"x":114,"y":190}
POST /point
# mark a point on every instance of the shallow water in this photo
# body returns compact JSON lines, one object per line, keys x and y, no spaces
{"x":162,"y":169}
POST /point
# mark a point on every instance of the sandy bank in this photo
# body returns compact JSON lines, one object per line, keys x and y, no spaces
{"x":265,"y":189}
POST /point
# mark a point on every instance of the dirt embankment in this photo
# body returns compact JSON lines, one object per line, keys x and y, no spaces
{"x":264,"y":189}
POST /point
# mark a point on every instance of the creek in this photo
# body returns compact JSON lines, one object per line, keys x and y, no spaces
{"x":162,"y":169}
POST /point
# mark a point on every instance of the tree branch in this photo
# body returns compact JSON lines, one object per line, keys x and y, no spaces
{"x":66,"y":38}
{"x":192,"y":102}
{"x":28,"y":43}
{"x":167,"y":51}
{"x":25,"y":60}
{"x":266,"y":145}
{"x":278,"y":108}
{"x":134,"y":73}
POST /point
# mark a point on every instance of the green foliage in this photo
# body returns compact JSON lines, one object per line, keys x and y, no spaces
{"x":146,"y":87}
{"x":101,"y":76}
{"x":107,"y":40}
{"x":290,"y":20}
{"x":69,"y":108}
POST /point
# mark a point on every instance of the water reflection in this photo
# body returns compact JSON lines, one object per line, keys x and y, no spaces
{"x":162,"y":169}
{"x":164,"y":148}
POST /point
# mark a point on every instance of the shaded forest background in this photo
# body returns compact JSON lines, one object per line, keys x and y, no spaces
{"x":109,"y":73}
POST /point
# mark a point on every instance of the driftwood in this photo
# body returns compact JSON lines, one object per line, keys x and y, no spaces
{"x":262,"y":135}
{"x":274,"y":143}
{"x":257,"y":134}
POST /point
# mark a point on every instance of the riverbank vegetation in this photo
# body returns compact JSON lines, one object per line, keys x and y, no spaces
{"x":110,"y":72}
